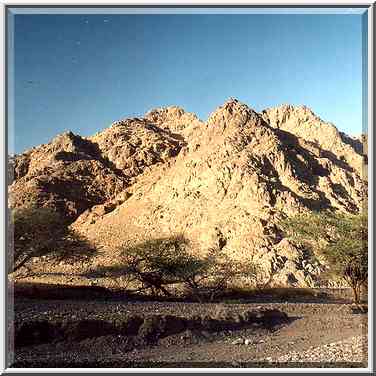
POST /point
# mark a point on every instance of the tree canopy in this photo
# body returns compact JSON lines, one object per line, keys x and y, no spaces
{"x":38,"y":232}
{"x":156,"y":264}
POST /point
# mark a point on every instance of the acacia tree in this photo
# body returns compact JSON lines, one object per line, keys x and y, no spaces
{"x":39,"y":232}
{"x":341,"y":238}
{"x":158,"y":263}
{"x":155,"y":263}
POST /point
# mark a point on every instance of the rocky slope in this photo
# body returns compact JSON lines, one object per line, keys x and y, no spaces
{"x":302,"y":122}
{"x":222,"y":183}
{"x":69,"y":174}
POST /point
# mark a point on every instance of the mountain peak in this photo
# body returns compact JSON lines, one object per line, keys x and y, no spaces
{"x":289,"y":108}
{"x":163,"y":114}
{"x":233,"y":116}
{"x":304,"y":123}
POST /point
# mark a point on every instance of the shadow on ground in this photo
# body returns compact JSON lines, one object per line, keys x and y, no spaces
{"x":270,"y":295}
{"x":143,"y":330}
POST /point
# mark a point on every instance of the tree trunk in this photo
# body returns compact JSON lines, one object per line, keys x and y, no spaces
{"x":356,"y":293}
{"x":20,"y":264}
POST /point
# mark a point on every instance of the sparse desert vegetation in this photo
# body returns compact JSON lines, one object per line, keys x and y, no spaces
{"x":342,"y":239}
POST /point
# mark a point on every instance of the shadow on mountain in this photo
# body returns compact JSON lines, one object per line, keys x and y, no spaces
{"x":169,"y":133}
{"x":356,"y":144}
{"x":292,"y":143}
{"x":313,"y":204}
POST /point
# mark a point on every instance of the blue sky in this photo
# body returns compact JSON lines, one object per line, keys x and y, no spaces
{"x":82,"y":72}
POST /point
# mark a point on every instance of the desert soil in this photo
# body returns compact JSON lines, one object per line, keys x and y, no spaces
{"x":318,"y":335}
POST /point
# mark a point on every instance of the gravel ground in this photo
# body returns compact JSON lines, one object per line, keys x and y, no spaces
{"x":318,"y":335}
{"x":353,"y":349}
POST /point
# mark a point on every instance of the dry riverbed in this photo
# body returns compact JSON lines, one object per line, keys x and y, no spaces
{"x":316,"y":335}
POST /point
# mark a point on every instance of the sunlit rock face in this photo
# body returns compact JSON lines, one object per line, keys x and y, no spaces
{"x":223,"y":183}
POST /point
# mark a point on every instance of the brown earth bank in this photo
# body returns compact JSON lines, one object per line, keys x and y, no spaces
{"x":285,"y":330}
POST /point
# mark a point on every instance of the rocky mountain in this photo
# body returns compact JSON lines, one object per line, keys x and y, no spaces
{"x":69,"y":174}
{"x":223,"y":183}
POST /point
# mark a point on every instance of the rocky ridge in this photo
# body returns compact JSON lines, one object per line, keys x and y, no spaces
{"x":69,"y":174}
{"x":222,"y":183}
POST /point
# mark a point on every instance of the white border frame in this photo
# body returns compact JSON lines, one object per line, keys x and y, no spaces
{"x":266,"y":3}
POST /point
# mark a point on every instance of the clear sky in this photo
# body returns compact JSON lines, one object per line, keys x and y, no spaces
{"x":82,"y":72}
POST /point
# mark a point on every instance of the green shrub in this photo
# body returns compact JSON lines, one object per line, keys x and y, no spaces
{"x":41,"y":232}
{"x":341,"y":238}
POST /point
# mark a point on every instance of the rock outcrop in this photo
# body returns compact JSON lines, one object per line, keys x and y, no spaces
{"x":69,"y":174}
{"x":302,"y":122}
{"x":223,"y":183}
